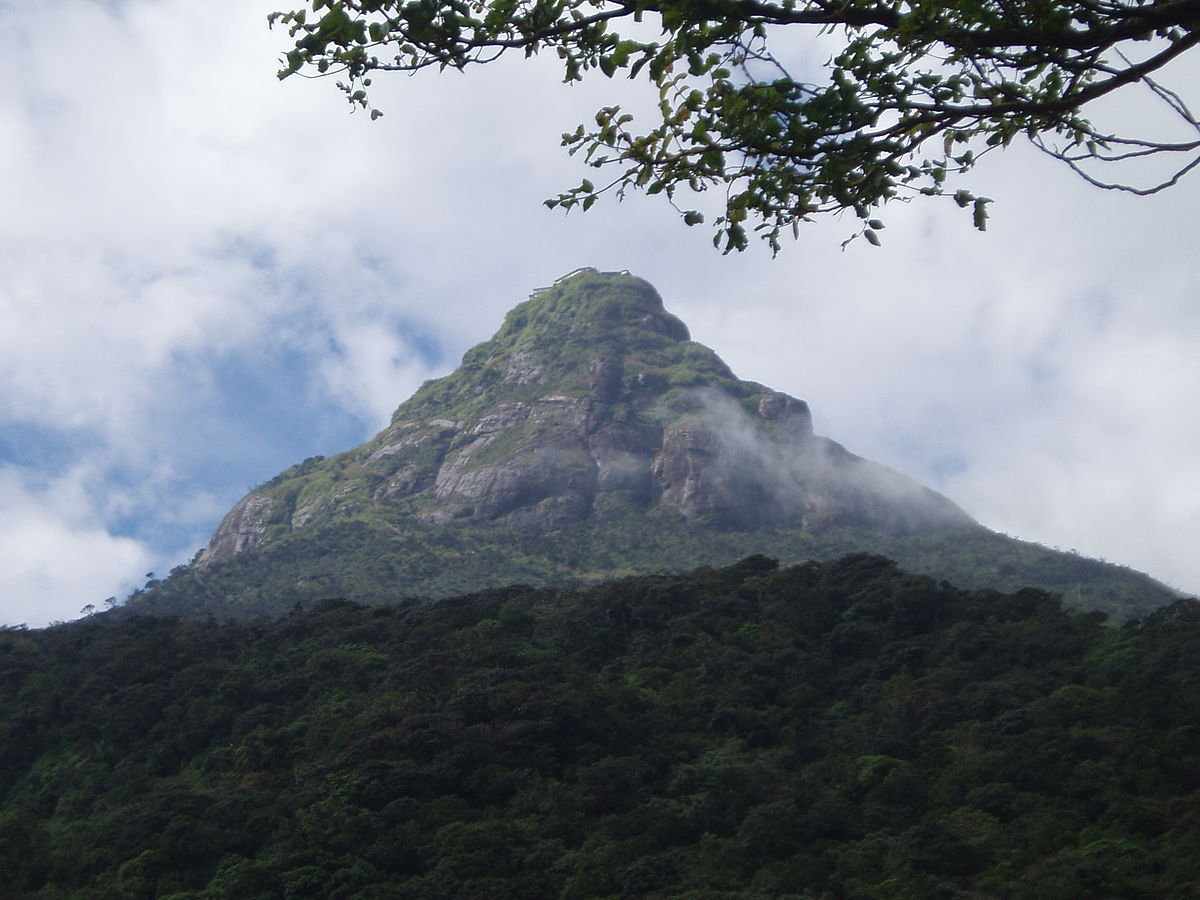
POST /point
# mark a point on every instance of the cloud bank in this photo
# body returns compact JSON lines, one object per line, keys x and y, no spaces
{"x":207,"y":275}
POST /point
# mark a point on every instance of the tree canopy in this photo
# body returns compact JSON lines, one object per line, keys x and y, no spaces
{"x":911,"y":91}
{"x":835,"y":729}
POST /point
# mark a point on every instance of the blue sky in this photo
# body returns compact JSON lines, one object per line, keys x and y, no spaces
{"x":207,"y":275}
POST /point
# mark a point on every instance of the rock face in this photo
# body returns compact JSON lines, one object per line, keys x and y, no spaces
{"x":243,"y":528}
{"x":590,"y":397}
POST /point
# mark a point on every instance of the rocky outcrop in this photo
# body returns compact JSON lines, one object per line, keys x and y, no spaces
{"x":589,"y":392}
{"x":243,"y":528}
{"x":691,"y":474}
{"x":786,"y":412}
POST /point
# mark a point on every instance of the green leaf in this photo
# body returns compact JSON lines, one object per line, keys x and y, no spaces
{"x":980,"y":213}
{"x":728,"y":122}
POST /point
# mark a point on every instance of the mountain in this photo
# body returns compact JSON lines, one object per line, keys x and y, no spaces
{"x":589,"y":438}
{"x":591,"y":395}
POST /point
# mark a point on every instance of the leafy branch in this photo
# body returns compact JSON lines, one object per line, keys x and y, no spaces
{"x":917,"y":91}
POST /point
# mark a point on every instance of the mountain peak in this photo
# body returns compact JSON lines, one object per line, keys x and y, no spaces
{"x":590,"y":399}
{"x":590,"y":438}
{"x":586,"y":304}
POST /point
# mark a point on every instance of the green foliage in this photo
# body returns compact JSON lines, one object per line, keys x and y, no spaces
{"x":837,"y":729}
{"x":369,"y":560}
{"x":911,"y":94}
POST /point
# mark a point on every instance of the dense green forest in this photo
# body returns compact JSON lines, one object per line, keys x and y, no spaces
{"x":374,"y":562}
{"x":830,"y":730}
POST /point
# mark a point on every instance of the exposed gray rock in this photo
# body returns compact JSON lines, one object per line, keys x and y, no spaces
{"x":506,"y":415}
{"x":786,"y":412}
{"x":522,"y":369}
{"x":593,"y":390}
{"x":551,"y":514}
{"x":243,"y":528}
{"x":393,"y":449}
{"x":410,"y":480}
{"x":624,"y":455}
{"x":689,"y":473}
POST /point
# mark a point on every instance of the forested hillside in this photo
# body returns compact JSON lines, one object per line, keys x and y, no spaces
{"x":376,"y":563}
{"x":830,"y":730}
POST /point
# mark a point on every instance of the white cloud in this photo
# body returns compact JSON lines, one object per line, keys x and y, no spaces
{"x":371,"y":369}
{"x":93,"y":339}
{"x":56,"y":556}
{"x":1041,"y":374}
{"x":178,"y":226}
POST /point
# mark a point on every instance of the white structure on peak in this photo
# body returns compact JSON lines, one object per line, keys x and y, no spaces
{"x":573,"y":273}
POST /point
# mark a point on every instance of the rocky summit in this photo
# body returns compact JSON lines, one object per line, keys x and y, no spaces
{"x":591,"y":395}
{"x":590,"y":438}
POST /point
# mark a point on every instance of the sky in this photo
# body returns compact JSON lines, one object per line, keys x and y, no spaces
{"x":207,"y":275}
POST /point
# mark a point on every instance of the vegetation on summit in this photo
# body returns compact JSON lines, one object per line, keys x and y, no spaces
{"x":912,"y":92}
{"x":830,"y":730}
